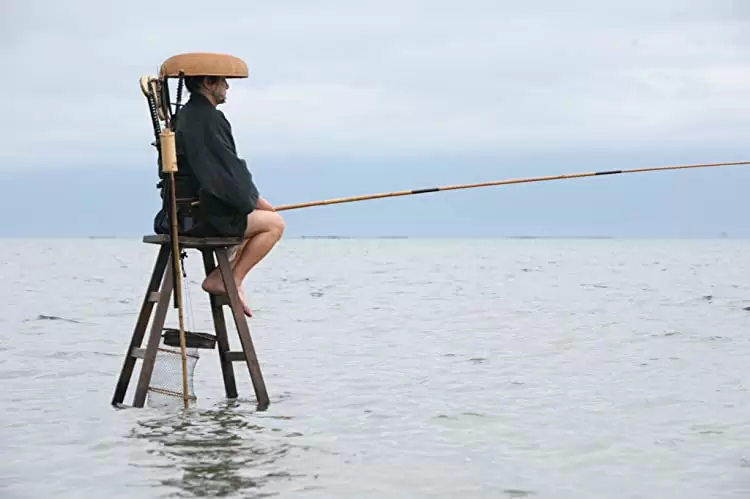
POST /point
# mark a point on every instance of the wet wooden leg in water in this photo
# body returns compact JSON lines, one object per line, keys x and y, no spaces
{"x":220,"y":327}
{"x":149,"y":356}
{"x":242,"y":329}
{"x":140,"y":326}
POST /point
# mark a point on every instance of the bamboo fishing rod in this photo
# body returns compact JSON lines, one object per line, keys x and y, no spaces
{"x":167,"y":148}
{"x":366,"y":197}
{"x":352,"y":199}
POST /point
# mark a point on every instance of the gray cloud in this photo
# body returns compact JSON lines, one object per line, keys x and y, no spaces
{"x":388,"y":78}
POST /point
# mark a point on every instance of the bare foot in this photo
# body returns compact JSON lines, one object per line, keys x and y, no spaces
{"x":213,"y":284}
{"x":243,"y":301}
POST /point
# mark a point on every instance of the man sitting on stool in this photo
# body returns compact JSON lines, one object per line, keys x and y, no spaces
{"x":230,"y":204}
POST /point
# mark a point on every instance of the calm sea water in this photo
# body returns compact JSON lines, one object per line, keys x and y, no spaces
{"x":397,"y":368}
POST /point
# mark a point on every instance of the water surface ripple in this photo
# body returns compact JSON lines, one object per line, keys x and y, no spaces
{"x":397,"y":368}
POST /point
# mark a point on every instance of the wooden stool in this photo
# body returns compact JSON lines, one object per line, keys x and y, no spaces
{"x":163,"y":269}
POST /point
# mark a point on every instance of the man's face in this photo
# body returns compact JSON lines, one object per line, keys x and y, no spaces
{"x":218,"y":90}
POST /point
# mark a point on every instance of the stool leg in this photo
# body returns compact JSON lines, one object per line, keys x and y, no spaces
{"x":140,"y":326}
{"x":242,"y":329}
{"x":149,"y":357}
{"x":220,"y":327}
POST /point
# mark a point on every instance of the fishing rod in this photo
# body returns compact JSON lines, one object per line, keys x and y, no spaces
{"x":411,"y":192}
{"x":351,"y":199}
{"x":157,"y":94}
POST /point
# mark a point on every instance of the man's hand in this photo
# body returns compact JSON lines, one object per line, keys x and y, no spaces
{"x":263,"y":205}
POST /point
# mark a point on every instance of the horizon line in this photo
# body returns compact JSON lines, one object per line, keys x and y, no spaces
{"x":722,"y":237}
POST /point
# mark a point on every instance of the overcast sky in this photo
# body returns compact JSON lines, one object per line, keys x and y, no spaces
{"x":344,"y":95}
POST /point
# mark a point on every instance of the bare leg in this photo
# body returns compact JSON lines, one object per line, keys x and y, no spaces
{"x":264,"y":229}
{"x":213,"y":282}
{"x":234,"y":252}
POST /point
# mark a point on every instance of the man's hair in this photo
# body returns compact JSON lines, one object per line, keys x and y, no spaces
{"x":193,"y":83}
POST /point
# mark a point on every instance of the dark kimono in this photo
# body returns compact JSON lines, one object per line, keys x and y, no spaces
{"x":210,"y":171}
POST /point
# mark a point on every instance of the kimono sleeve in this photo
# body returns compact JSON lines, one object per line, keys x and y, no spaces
{"x":226,"y":175}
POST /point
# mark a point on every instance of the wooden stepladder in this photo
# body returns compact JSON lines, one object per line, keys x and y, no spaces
{"x":163,"y":277}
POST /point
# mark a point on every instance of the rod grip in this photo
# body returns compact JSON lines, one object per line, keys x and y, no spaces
{"x":168,"y":151}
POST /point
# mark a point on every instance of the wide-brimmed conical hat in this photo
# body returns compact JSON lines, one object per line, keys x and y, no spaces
{"x":204,"y":64}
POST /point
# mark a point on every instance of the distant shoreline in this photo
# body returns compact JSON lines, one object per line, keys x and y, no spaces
{"x":415,"y":237}
{"x":453,"y":237}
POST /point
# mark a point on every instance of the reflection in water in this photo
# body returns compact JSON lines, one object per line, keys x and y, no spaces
{"x":219,"y":451}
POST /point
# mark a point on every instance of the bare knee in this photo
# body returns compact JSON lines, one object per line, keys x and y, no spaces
{"x":265,"y":222}
{"x":278,"y":225}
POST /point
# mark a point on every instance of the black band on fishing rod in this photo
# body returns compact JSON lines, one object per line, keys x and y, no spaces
{"x":151,"y":98}
{"x":609,"y":172}
{"x":178,"y":103}
{"x":424,"y":191}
